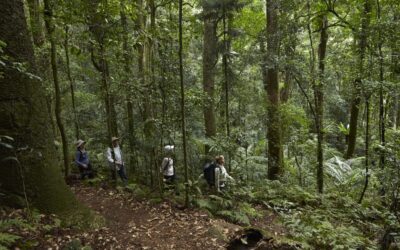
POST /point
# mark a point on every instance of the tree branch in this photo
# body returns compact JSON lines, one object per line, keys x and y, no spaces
{"x":305,"y":95}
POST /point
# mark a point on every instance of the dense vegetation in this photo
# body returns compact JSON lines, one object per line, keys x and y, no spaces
{"x":302,"y":98}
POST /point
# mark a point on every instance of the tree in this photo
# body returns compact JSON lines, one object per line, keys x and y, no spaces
{"x":23,"y":117}
{"x":362,"y":39}
{"x":183,"y":117}
{"x":319,"y":100}
{"x":50,"y":29}
{"x":210,"y":58}
{"x":98,"y":26}
{"x":71,"y":82}
{"x":128,"y":73}
{"x":271,"y":84}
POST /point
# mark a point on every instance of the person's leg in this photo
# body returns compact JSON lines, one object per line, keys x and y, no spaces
{"x":122,"y":174}
{"x":89,"y":171}
{"x":82,"y":172}
{"x":175,"y":185}
{"x":113,"y":174}
{"x":167,"y":182}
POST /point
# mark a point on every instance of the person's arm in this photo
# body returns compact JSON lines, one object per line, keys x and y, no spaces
{"x":109,"y":156}
{"x":228,"y":176}
{"x":217,"y":173}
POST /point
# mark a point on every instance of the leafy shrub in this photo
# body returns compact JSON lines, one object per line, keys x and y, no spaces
{"x":7,"y":239}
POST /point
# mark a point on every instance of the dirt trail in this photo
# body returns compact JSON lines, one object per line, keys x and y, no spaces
{"x":132,"y":224}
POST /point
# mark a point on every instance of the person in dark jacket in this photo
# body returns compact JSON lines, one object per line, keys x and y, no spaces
{"x":82,"y":160}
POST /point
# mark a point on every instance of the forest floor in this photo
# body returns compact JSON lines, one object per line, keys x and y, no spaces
{"x":132,"y":223}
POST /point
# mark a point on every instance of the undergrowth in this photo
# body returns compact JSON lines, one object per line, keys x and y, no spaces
{"x":331,"y":221}
{"x":16,"y":225}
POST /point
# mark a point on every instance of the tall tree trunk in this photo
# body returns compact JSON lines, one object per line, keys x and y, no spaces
{"x":289,"y":49}
{"x":23,"y":117}
{"x":36,"y":22}
{"x":48,"y":19}
{"x":139,"y":29}
{"x":128,"y":73}
{"x":71,"y":82}
{"x":183,"y":117}
{"x":356,"y":98}
{"x":381,"y":104}
{"x":38,"y":36}
{"x":210,"y":58}
{"x":395,"y":73}
{"x":272,"y":86}
{"x":226,"y":76}
{"x":319,"y":102}
{"x":366,"y":151}
{"x":97,"y":26}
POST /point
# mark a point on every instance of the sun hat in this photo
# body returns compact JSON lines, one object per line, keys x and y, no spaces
{"x":114,"y":138}
{"x":80,"y":143}
{"x":169,"y":147}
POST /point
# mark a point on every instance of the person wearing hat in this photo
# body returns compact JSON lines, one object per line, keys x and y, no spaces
{"x":167,"y":167}
{"x":114,"y":157}
{"x":82,"y":160}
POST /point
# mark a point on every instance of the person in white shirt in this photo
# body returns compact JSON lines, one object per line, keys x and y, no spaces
{"x":221,"y":175}
{"x":167,"y":165}
{"x":114,"y":157}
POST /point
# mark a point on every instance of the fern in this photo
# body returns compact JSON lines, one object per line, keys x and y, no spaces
{"x":6,"y":240}
{"x":206,"y":204}
{"x":8,"y":223}
{"x":235,"y":216}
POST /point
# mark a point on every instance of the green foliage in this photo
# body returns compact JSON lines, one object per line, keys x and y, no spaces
{"x":235,"y":216}
{"x":317,"y":231}
{"x":6,"y":240}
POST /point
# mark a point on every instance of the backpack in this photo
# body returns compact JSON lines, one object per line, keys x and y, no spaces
{"x":209,"y":173}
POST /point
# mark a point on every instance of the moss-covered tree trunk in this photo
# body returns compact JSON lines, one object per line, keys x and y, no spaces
{"x":98,"y":26}
{"x":356,"y":98}
{"x":210,"y":57}
{"x":42,"y":64}
{"x":71,"y":82}
{"x":23,"y":117}
{"x":53,"y":53}
{"x":319,"y":101}
{"x":128,"y":73}
{"x":36,"y":22}
{"x":183,"y":117}
{"x":272,"y":86}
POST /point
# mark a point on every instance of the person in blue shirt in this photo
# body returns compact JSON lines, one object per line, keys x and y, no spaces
{"x":82,"y":160}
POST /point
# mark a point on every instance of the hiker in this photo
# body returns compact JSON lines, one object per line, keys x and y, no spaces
{"x":221,"y":175}
{"x":168,"y":170}
{"x":82,"y":160}
{"x":114,"y":157}
{"x":167,"y":165}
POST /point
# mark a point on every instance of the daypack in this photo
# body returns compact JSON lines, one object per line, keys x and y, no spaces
{"x":209,"y":173}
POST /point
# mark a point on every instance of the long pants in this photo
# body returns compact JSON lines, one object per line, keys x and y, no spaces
{"x":170,"y":183}
{"x":86,"y":172}
{"x":121,"y":172}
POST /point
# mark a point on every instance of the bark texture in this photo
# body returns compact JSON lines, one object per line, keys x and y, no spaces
{"x":210,"y":57}
{"x":53,"y":53}
{"x":356,"y":99}
{"x":272,"y":87}
{"x":71,"y":82}
{"x":128,"y":71}
{"x":98,"y":27}
{"x":23,"y":117}
{"x":319,"y":102}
